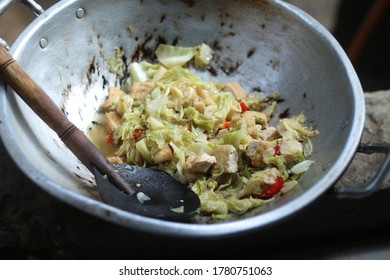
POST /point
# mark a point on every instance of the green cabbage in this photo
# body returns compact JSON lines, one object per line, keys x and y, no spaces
{"x":193,"y":117}
{"x":170,"y":56}
{"x":116,"y":64}
{"x":236,"y":136}
{"x":203,"y":56}
{"x":199,"y":119}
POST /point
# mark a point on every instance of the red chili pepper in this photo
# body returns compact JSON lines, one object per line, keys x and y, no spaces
{"x":110,"y":138}
{"x":138,"y":135}
{"x":277,"y":150}
{"x":243,"y":106}
{"x":226,"y":125}
{"x":273,"y":190}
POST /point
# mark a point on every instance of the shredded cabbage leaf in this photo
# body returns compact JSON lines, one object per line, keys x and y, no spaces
{"x":213,"y":137}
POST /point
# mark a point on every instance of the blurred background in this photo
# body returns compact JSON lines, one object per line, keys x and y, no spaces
{"x":362,"y":27}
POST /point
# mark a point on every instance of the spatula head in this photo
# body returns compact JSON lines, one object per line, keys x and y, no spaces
{"x":159,"y":195}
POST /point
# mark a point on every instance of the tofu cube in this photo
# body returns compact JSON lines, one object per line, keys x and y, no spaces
{"x":227,"y":159}
{"x":199,"y":163}
{"x":114,"y":95}
{"x":141,"y":90}
{"x":258,"y":150}
{"x":111,"y":121}
{"x":253,"y":118}
{"x":238,"y":92}
{"x":162,"y":155}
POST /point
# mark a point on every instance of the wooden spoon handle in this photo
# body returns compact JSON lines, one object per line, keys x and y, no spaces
{"x":37,"y":99}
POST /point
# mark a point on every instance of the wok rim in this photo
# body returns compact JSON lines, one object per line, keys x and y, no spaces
{"x":144,"y":224}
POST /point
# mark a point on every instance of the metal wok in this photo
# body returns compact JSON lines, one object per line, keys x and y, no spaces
{"x":267,"y":45}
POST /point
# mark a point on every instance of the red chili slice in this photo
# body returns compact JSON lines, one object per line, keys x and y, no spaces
{"x":277,"y":150}
{"x":243,"y":106}
{"x":110,"y":138}
{"x":138,"y":135}
{"x":273,"y":190}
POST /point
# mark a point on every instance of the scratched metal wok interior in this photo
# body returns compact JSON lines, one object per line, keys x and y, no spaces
{"x":284,"y":51}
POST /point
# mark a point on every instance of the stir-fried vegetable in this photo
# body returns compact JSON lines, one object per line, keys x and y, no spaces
{"x":213,"y":137}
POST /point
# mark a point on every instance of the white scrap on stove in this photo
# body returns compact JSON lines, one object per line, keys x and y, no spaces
{"x":142,"y":197}
{"x":179,"y":209}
